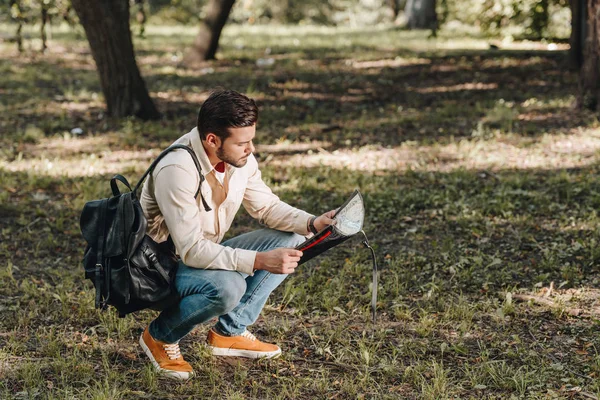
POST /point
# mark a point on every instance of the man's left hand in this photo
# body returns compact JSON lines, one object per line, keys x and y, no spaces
{"x":323,"y":221}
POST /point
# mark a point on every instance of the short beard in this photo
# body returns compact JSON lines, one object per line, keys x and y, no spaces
{"x":236,"y":163}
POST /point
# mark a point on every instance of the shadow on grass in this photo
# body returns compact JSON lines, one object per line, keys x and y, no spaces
{"x":443,"y":100}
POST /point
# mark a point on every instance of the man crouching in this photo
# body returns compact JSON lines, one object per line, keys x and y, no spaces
{"x":230,"y":280}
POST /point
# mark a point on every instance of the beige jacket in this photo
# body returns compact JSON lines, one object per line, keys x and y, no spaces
{"x":170,"y":207}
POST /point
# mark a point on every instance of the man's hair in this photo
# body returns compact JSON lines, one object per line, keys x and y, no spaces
{"x":226,"y":109}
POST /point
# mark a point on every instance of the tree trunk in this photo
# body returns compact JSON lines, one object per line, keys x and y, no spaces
{"x":207,"y":42}
{"x":106,"y":25}
{"x":17,"y":15}
{"x":395,"y":7}
{"x":589,"y":91}
{"x":539,"y":19}
{"x":141,"y":17}
{"x":578,"y":21}
{"x":420,"y":14}
{"x":44,"y":21}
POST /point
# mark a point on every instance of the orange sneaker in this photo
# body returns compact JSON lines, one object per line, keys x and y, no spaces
{"x":166,"y":357}
{"x":244,"y":345}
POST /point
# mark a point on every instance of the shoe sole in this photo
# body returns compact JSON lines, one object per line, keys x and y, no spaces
{"x":179,"y":375}
{"x":220,"y":351}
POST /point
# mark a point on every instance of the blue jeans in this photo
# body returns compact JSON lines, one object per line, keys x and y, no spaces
{"x":236,"y":298}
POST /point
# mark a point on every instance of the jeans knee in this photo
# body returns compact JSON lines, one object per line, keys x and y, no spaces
{"x":228,"y":295}
{"x":294,"y":240}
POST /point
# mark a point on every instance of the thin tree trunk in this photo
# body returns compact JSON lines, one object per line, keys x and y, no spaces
{"x":589,"y":90}
{"x":141,"y":17}
{"x":578,"y":21}
{"x":67,"y":15}
{"x":539,"y":19}
{"x":44,"y":17}
{"x":420,"y":14}
{"x":207,"y":42}
{"x":106,"y":25}
{"x":16,"y":11}
{"x":395,"y":6}
{"x":20,"y":36}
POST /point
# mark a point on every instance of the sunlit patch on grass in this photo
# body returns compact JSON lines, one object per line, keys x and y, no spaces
{"x":68,"y":147}
{"x":286,"y":147}
{"x":534,"y":103}
{"x":191,"y":97}
{"x":459,"y":87}
{"x":73,"y":168}
{"x":504,"y":152}
{"x":532,"y":45}
{"x":387,"y":63}
{"x":84,"y":101}
{"x":78,"y":157}
{"x":293,"y":84}
{"x":583,"y":302}
{"x":508,"y":61}
{"x":96,"y":155}
{"x":321,"y":96}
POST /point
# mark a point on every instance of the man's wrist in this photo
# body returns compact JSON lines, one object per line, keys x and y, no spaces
{"x":311,"y":225}
{"x":257,"y":262}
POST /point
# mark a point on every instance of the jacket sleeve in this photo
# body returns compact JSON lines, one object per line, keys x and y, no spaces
{"x":175,"y":188}
{"x":263,"y":205}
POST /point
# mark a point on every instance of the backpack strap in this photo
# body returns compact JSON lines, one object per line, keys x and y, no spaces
{"x":125,"y":210}
{"x":160,"y":157}
{"x":113,"y":184}
{"x":154,"y":260}
{"x":100,"y":267}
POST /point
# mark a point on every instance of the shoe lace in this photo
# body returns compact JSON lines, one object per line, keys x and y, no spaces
{"x":172,"y":351}
{"x":248,"y":335}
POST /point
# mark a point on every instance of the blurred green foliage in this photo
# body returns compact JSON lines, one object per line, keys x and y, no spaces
{"x":530,"y":19}
{"x":30,"y":11}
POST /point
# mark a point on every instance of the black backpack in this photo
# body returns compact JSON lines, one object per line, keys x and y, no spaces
{"x":130,"y":271}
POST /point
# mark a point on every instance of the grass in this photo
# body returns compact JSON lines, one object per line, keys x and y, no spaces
{"x":480,"y":182}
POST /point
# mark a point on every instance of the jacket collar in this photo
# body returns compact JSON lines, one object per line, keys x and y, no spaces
{"x":194,"y":139}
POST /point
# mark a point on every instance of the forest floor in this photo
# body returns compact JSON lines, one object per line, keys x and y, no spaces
{"x":480,"y":180}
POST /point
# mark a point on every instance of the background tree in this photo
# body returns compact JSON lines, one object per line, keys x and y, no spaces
{"x":395,"y":6}
{"x":16,"y":13}
{"x":589,"y":76}
{"x":106,"y":25}
{"x":539,"y":19}
{"x":577,"y":38}
{"x":141,"y":17}
{"x":420,"y":14}
{"x":44,"y":19}
{"x":30,"y":13}
{"x":207,"y":41}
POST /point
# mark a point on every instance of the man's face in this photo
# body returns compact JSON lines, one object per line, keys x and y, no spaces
{"x":236,"y":149}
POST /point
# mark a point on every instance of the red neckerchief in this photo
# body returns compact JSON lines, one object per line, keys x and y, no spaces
{"x":220,"y":167}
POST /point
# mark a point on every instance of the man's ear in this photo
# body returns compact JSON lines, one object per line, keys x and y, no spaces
{"x":213,"y":140}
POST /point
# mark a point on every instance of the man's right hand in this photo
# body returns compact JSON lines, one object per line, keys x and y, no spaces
{"x":278,"y":261}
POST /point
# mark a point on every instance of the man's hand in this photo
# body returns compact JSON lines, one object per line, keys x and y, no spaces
{"x":278,"y":261}
{"x":323,"y":221}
